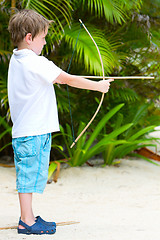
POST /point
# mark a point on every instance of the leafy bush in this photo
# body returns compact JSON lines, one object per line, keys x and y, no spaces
{"x":120,"y":142}
{"x":6,"y":130}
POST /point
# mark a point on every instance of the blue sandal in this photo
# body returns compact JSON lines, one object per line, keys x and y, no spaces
{"x":37,"y":228}
{"x":45,"y":222}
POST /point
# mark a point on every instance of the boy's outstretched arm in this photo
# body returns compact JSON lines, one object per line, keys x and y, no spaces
{"x":79,"y":82}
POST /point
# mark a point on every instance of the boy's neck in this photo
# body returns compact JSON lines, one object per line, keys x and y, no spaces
{"x":23,"y":45}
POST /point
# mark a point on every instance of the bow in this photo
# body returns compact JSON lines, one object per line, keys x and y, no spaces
{"x":101,"y":101}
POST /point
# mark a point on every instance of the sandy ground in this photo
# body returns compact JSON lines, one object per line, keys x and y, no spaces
{"x":111,"y":203}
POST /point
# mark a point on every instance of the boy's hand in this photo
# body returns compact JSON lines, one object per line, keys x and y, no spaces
{"x":103,"y":85}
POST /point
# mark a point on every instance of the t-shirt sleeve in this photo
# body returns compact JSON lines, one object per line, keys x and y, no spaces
{"x":46,"y":70}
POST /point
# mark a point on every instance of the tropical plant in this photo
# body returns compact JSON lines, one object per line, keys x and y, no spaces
{"x":83,"y":148}
{"x":140,"y":41}
{"x":112,"y":145}
{"x":138,"y":140}
{"x":6,"y":130}
{"x":137,"y":136}
{"x":113,"y":24}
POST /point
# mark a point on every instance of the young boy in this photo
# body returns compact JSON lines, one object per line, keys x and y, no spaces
{"x":33,"y":110}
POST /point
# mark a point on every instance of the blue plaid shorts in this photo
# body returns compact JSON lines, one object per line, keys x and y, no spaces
{"x":31,"y":158}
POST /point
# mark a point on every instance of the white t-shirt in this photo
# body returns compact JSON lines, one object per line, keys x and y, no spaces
{"x":31,"y":94}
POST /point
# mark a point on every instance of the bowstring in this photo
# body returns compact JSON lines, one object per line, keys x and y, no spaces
{"x":70,"y":110}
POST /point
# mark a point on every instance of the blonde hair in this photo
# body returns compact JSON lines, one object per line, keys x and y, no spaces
{"x":26,"y":21}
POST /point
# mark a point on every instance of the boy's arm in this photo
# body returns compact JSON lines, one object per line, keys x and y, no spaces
{"x":79,"y":82}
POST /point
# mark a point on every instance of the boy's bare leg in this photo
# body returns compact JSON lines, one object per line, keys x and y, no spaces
{"x":27,"y":216}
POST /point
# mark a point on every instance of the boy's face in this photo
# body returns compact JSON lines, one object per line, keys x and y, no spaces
{"x":38,"y":42}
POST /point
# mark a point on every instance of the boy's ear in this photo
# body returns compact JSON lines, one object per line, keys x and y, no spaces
{"x":28,"y":38}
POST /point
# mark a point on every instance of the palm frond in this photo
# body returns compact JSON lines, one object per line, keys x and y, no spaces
{"x":62,"y":99}
{"x":87,"y":52}
{"x":58,"y":11}
{"x":123,"y":95}
{"x":3,"y":93}
{"x":4,"y":55}
{"x":155,"y":37}
{"x":115,"y":11}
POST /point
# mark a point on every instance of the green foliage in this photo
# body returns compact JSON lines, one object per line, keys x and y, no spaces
{"x":62,"y":99}
{"x":127,"y":33}
{"x":114,"y":11}
{"x":87,"y":51}
{"x":6,"y":130}
{"x":135,"y":137}
{"x":51,"y":169}
{"x":129,"y":145}
{"x":59,"y":11}
{"x":121,"y":141}
{"x":85,"y":148}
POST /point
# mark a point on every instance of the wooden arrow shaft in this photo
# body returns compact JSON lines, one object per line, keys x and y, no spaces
{"x":57,"y":224}
{"x":127,"y":77}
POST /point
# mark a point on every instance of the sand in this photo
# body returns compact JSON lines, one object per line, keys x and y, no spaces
{"x":111,"y":203}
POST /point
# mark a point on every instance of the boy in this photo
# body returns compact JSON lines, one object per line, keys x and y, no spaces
{"x":33,"y":110}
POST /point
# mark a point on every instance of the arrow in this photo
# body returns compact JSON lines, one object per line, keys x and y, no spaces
{"x":127,"y":77}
